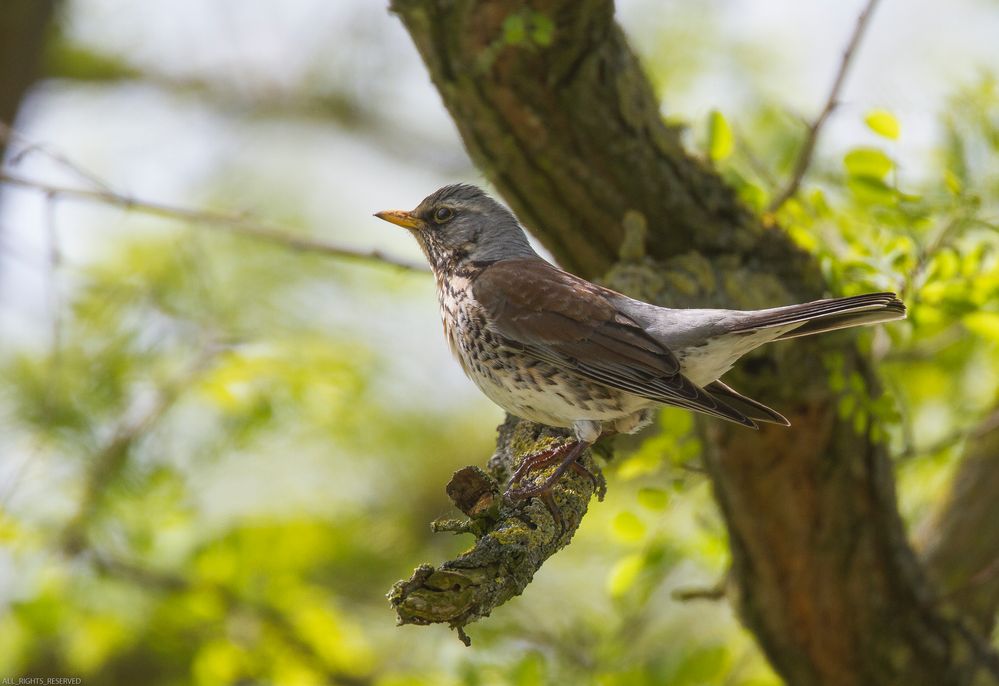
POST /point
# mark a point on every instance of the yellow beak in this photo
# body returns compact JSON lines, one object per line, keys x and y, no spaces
{"x":400,"y":218}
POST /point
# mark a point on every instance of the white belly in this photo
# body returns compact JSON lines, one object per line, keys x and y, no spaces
{"x":706,"y":363}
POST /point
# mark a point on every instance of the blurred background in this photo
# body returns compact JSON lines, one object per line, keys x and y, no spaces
{"x":218,"y":451}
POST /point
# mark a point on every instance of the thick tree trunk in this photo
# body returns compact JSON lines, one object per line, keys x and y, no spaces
{"x":554,"y":109}
{"x":23,"y":24}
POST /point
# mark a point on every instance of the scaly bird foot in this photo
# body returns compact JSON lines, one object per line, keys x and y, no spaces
{"x":531,"y":463}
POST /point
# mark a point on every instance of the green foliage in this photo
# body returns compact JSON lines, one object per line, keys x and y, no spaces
{"x":223,"y":477}
{"x":720,"y":141}
{"x":65,"y":59}
{"x":528,"y":27}
{"x":161,"y":380}
{"x":934,"y":240}
{"x":883,"y":123}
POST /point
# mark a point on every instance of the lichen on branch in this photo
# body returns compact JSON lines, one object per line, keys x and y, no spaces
{"x":513,"y":538}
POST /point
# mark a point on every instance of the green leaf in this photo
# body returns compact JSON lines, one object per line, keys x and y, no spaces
{"x":883,"y":123}
{"x":654,"y":499}
{"x":542,"y":29}
{"x":868,"y":163}
{"x":628,"y":527}
{"x":871,"y":191}
{"x":530,"y":671}
{"x":847,"y":404}
{"x":720,"y":140}
{"x":953,"y":182}
{"x":702,"y":666}
{"x":985,"y":324}
{"x":624,"y":574}
{"x":514,"y":29}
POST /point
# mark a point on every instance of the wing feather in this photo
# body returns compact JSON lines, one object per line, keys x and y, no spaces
{"x":571,"y":324}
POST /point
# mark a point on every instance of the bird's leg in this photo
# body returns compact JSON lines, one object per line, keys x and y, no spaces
{"x":538,"y":460}
{"x":543,"y":459}
{"x":553,"y":510}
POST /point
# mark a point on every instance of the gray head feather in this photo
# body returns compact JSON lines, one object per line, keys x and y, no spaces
{"x":462,"y":223}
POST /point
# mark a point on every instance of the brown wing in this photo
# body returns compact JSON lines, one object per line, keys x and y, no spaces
{"x":570,"y":323}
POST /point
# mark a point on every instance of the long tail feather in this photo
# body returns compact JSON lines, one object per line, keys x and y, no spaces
{"x":827,"y":315}
{"x":754,"y":410}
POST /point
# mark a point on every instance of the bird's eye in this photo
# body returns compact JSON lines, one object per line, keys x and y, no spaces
{"x":442,"y":214}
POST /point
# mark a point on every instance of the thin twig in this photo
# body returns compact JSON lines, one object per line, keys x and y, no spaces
{"x":53,"y":277}
{"x":54,"y":263}
{"x":832,"y":102}
{"x":10,"y":135}
{"x":236,"y":224}
{"x":716,"y":592}
{"x":944,"y":239}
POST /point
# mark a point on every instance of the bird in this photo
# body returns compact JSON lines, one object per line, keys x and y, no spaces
{"x":553,"y":348}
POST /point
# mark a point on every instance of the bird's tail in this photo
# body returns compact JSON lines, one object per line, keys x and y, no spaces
{"x":826,"y":315}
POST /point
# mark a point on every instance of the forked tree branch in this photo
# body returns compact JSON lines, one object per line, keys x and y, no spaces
{"x":804,"y":159}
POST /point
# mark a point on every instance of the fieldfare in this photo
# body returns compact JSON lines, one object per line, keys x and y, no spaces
{"x":556,"y":349}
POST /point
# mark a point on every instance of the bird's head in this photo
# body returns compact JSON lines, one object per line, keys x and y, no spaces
{"x":460,"y":224}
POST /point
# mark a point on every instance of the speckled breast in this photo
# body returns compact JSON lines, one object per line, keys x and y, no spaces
{"x":520,"y":384}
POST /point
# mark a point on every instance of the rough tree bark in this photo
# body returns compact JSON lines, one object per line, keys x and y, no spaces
{"x":562,"y":121}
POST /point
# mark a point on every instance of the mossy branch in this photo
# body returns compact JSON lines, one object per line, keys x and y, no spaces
{"x":513,"y":538}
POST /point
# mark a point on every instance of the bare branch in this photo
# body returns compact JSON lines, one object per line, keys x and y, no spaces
{"x":54,"y":262}
{"x":10,"y":135}
{"x":718,"y":591}
{"x":236,"y":224}
{"x":832,"y":102}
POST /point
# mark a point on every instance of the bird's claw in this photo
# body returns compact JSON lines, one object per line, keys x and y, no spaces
{"x":569,"y":453}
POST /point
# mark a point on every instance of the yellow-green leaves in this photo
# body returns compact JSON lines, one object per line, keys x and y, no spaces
{"x":867,"y":171}
{"x":867,"y":162}
{"x":720,"y":139}
{"x":628,"y":527}
{"x":624,"y":574}
{"x":531,"y":670}
{"x":883,"y":123}
{"x":654,"y":499}
{"x":528,"y":27}
{"x":219,"y":661}
{"x":985,"y":324}
{"x":868,"y":168}
{"x":705,"y":665}
{"x":953,"y":182}
{"x":637,"y":575}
